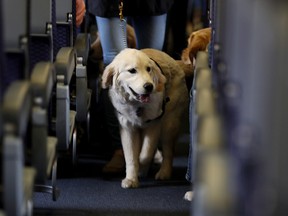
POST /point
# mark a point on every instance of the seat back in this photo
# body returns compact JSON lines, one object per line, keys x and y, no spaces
{"x":43,"y":79}
{"x":65,"y":25}
{"x":15,"y":41}
{"x":65,"y":64}
{"x":43,"y":28}
{"x":18,"y":182}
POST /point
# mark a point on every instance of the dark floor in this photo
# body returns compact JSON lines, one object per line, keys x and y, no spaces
{"x":88,"y":192}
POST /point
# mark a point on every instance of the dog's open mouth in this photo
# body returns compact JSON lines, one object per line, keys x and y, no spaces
{"x":143,"y":98}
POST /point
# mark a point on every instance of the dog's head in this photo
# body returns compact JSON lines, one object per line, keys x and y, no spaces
{"x":135,"y":74}
{"x":197,"y":41}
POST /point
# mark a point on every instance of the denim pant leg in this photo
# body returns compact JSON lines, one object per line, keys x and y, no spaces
{"x":113,"y":37}
{"x":150,"y":31}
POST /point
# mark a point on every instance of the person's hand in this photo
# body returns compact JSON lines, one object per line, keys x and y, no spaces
{"x":80,"y":12}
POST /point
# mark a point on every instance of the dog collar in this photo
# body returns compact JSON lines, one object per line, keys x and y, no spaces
{"x":157,"y":65}
{"x":165,"y":101}
{"x":140,"y":110}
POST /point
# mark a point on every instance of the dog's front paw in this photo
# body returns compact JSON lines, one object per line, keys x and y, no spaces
{"x":129,"y":183}
{"x":163,"y":174}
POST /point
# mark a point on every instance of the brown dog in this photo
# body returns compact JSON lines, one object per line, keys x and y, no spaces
{"x":197,"y":41}
{"x":147,"y":89}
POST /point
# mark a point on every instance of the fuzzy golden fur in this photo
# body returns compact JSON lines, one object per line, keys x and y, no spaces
{"x":148,"y":91}
{"x":197,"y":41}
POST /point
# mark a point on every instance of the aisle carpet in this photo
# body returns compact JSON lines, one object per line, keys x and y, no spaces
{"x":87,"y":191}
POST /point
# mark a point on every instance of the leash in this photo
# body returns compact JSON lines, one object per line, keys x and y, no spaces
{"x":165,"y":100}
{"x":121,"y":5}
{"x":122,"y":22}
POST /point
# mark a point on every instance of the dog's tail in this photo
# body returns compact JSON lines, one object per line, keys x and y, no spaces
{"x":187,"y":68}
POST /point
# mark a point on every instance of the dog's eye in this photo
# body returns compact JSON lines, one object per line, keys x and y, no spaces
{"x":132,"y":70}
{"x":148,"y":69}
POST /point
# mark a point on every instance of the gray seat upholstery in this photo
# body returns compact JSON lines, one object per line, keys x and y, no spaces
{"x":65,"y":64}
{"x":43,"y":79}
{"x":41,"y":32}
{"x":18,"y":179}
{"x":43,"y":24}
{"x":65,"y":16}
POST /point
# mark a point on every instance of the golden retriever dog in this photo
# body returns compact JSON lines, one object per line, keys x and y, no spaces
{"x":148,"y":90}
{"x":197,"y":41}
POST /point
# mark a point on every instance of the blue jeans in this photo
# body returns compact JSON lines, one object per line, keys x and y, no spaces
{"x":150,"y":33}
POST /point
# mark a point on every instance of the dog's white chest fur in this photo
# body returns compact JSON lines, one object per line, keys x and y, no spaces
{"x":135,"y":113}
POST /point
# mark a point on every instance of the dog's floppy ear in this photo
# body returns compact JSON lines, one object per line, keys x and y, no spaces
{"x":107,"y":76}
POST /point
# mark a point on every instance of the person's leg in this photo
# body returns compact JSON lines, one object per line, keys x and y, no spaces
{"x":150,"y":31}
{"x":113,"y":37}
{"x":177,"y":26}
{"x":112,"y":34}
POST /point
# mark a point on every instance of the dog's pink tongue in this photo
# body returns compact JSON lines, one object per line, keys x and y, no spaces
{"x":144,"y":98}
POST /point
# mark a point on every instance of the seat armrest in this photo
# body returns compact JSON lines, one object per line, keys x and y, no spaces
{"x":43,"y":78}
{"x":17,"y":107}
{"x":65,"y":63}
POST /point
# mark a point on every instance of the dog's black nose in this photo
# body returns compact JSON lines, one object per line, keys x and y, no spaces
{"x":148,"y":87}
